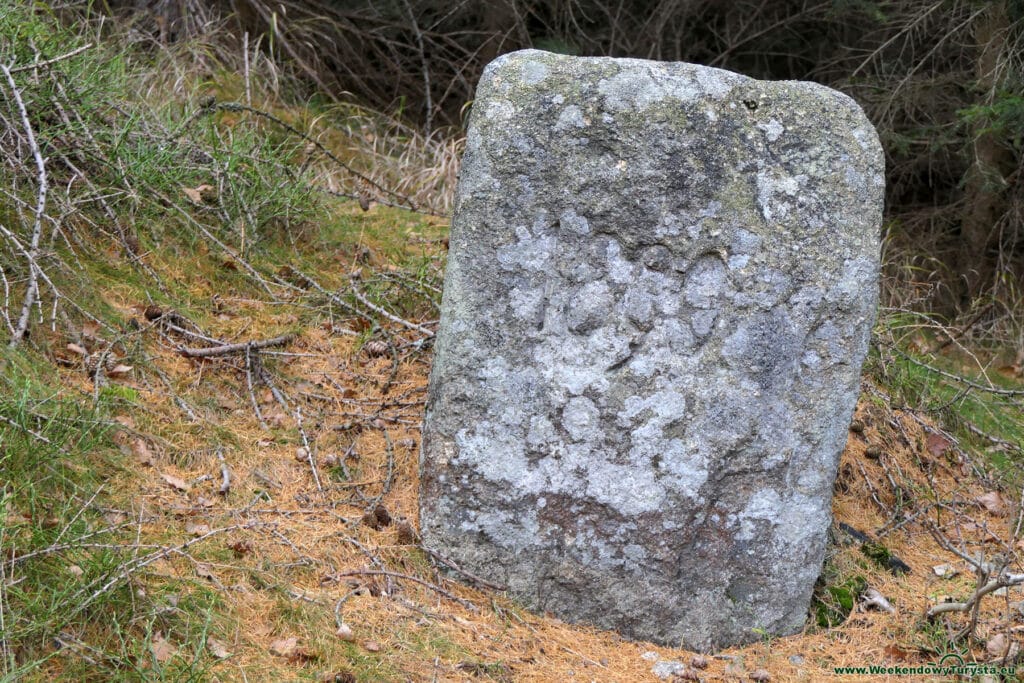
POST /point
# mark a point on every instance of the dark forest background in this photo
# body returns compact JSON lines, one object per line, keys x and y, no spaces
{"x":941,"y":80}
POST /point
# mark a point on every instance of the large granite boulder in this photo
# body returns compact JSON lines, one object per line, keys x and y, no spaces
{"x":661,"y":284}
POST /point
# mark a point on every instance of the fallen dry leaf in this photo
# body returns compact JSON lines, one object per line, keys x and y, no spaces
{"x":241,"y":548}
{"x":997,"y":646}
{"x":1012,"y":371}
{"x":175,"y":482}
{"x":119,"y":370}
{"x":371,"y":646}
{"x":897,"y":653}
{"x":196,"y":193}
{"x":204,"y":571}
{"x":217,"y":648}
{"x":993,"y":502}
{"x":145,"y":457}
{"x":285,"y":647}
{"x":277,"y":419}
{"x":90,"y":328}
{"x":196,"y":529}
{"x":80,"y":350}
{"x":937,"y":444}
{"x":162,"y":649}
{"x":114,"y":517}
{"x":290,"y":649}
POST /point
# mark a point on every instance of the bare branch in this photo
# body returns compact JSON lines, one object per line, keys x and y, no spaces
{"x":54,"y":60}
{"x":21,"y":328}
{"x":227,"y":349}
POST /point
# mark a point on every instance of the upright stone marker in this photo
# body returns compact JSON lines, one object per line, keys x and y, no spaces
{"x":660,"y":288}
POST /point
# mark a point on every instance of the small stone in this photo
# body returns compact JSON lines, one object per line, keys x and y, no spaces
{"x":345,"y":633}
{"x":650,"y":656}
{"x":760,"y":676}
{"x":873,"y":451}
{"x":796,"y":660}
{"x":331,"y":460}
{"x":302,"y":454}
{"x":944,"y":570}
{"x":699,"y":662}
{"x":371,"y":646}
{"x":666,"y":668}
{"x":75,"y":570}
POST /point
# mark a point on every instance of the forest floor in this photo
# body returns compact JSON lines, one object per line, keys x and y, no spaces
{"x":259,"y":534}
{"x":210,"y":437}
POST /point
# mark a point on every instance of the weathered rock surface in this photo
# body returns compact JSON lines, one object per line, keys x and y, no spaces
{"x":660,"y":288}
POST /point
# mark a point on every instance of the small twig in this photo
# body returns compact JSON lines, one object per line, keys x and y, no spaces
{"x":225,"y":475}
{"x":339,"y":622}
{"x":245,"y":68}
{"x":309,"y":449}
{"x":236,"y":107}
{"x":1002,"y":581}
{"x":873,"y":598}
{"x":390,"y":316}
{"x":586,"y":659}
{"x":415,"y":579}
{"x":425,"y":67}
{"x":963,"y":380}
{"x":473,"y":577}
{"x":872,"y":490}
{"x":7,"y":301}
{"x":31,"y":432}
{"x":249,"y":362}
{"x":54,"y":60}
{"x":275,"y":392}
{"x":227,"y":349}
{"x":127,"y":569}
